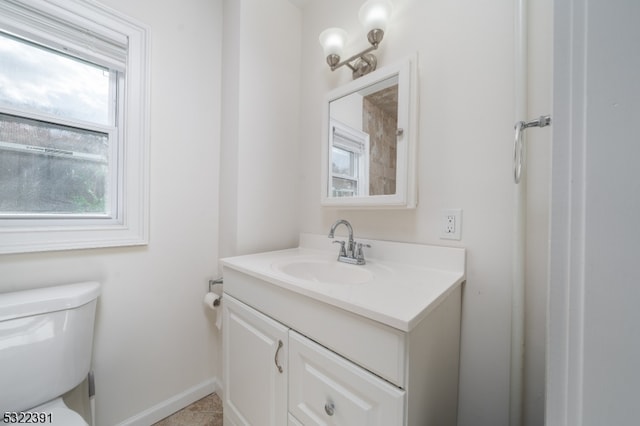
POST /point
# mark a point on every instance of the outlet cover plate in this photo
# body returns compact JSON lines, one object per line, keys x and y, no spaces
{"x":451,"y":224}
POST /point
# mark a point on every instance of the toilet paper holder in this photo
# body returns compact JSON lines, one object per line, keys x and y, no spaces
{"x":212,"y":284}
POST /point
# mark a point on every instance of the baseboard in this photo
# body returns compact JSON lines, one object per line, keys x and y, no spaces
{"x":173,"y":404}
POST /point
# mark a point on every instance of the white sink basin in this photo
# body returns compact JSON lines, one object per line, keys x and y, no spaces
{"x":324,"y":271}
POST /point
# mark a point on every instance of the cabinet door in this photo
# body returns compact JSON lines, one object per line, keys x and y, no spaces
{"x":293,"y":421}
{"x":254,"y":366}
{"x":327,"y":389}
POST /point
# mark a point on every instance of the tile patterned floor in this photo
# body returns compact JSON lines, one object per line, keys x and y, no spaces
{"x":205,"y":412}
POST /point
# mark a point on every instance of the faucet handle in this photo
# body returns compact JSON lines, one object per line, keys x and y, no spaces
{"x":360,"y":255}
{"x":343,"y":250}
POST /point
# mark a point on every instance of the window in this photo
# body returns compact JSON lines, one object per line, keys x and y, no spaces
{"x":73,"y":127}
{"x":349,"y":168}
{"x":57,"y":133}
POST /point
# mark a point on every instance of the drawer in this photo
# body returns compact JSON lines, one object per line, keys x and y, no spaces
{"x":326,"y":389}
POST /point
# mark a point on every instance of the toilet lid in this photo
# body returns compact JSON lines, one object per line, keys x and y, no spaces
{"x":60,"y":414}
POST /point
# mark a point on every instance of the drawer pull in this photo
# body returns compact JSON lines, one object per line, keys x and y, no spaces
{"x":329,"y":408}
{"x":275,"y":358}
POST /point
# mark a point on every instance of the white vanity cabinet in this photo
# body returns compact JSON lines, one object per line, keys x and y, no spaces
{"x":374,"y":345}
{"x":265,"y":362}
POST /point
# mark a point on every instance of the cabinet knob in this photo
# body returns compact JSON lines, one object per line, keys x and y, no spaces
{"x":329,"y":408}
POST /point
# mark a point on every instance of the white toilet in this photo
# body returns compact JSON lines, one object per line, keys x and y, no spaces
{"x":46,"y":338}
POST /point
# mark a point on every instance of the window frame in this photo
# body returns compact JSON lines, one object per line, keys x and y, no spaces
{"x":129,"y":223}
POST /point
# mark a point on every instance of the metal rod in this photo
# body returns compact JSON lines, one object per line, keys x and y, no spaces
{"x":213,"y":283}
{"x":52,"y":152}
{"x":354,"y":57}
{"x":543,"y":121}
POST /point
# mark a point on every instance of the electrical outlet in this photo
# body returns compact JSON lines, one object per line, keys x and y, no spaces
{"x":451,"y":224}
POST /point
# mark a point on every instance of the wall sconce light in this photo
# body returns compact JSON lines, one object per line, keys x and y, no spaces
{"x":373,"y":15}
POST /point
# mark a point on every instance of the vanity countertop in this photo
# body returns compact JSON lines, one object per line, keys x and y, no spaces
{"x":402,"y":282}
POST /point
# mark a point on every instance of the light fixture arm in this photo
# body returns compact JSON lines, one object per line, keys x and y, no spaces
{"x":361,"y":63}
{"x":360,"y":55}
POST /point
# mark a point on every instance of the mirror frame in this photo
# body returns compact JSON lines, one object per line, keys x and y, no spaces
{"x":406,"y":195}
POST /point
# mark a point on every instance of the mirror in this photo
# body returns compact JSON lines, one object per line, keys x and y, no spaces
{"x":369,"y":143}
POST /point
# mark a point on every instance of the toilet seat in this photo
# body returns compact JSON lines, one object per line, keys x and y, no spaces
{"x":60,"y":414}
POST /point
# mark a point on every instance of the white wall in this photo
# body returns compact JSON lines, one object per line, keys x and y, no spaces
{"x":259,"y":170}
{"x":466,"y":60}
{"x":348,"y":110}
{"x":153,"y":338}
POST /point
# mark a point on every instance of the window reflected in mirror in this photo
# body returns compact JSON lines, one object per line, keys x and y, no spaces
{"x":363,"y":141}
{"x":349,"y":161}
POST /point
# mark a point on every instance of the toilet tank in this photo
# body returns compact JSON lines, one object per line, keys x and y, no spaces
{"x":46,"y":338}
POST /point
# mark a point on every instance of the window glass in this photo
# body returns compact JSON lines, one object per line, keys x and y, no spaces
{"x":345,"y":172}
{"x":344,"y":187}
{"x":42,"y":80}
{"x":344,"y":162}
{"x":52,"y":169}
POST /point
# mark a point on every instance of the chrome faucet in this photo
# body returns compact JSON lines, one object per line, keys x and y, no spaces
{"x":353,"y":252}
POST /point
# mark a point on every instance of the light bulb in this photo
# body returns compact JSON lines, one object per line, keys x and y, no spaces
{"x":333,"y":41}
{"x":374,"y":14}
